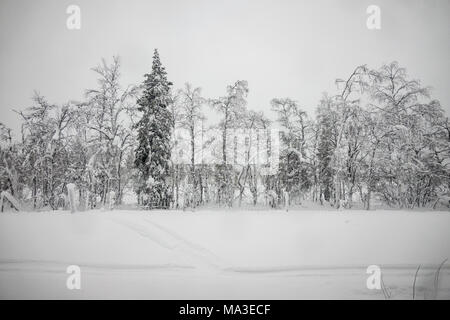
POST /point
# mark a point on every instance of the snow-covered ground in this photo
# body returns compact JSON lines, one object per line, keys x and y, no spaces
{"x":219,"y":254}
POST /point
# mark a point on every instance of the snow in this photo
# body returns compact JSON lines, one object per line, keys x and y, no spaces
{"x":223,"y":254}
{"x":13,"y":201}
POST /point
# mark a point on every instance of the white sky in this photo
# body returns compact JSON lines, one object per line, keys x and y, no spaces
{"x":282,"y":48}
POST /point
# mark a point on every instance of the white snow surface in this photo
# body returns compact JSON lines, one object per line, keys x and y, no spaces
{"x":221,"y":254}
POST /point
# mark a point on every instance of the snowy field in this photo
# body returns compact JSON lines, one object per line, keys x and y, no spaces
{"x":302,"y":254}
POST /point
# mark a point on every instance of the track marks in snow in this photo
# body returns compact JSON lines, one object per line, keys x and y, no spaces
{"x":155,"y":236}
{"x":196,"y":249}
{"x":332,"y":269}
{"x":54,"y":266}
{"x":171,"y":240}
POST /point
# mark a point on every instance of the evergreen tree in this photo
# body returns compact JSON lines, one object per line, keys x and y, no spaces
{"x":325,"y":148}
{"x":152,"y":156}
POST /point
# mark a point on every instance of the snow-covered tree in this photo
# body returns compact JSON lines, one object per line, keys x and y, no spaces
{"x":252,"y":123}
{"x":152,"y":155}
{"x":412,"y":165}
{"x":294,"y":168}
{"x":190,"y":117}
{"x":9,"y":161}
{"x":109,"y":116}
{"x":45,"y":145}
{"x":326,"y":145}
{"x":231,"y":106}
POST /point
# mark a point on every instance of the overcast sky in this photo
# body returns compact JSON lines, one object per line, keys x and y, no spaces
{"x":287,"y":48}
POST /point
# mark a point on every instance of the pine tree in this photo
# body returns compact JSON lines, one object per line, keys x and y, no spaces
{"x":152,"y":156}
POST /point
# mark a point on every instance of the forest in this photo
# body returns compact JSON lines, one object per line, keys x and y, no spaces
{"x":379,"y":139}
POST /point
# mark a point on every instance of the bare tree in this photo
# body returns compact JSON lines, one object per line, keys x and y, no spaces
{"x":190,"y":104}
{"x":113,"y":112}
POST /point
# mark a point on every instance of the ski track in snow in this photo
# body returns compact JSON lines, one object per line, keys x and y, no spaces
{"x":54,"y":266}
{"x":171,"y":240}
{"x":308,"y":270}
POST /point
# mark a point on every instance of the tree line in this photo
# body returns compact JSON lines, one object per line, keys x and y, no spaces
{"x":380,"y":136}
